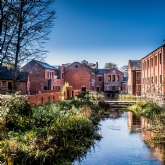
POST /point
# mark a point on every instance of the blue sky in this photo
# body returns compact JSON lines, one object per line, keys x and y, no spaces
{"x":105,"y":31}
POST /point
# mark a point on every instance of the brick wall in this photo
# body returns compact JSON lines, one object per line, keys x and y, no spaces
{"x":39,"y":77}
{"x":153,"y":68}
{"x":22,"y":87}
{"x":78,"y":77}
{"x":109,"y":84}
{"x":44,"y":98}
{"x":99,"y":85}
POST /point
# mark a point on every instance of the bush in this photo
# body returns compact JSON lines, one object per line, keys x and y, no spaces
{"x":17,"y":112}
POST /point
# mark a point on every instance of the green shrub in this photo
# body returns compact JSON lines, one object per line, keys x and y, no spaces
{"x":17,"y":112}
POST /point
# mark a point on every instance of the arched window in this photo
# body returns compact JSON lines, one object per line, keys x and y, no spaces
{"x":76,"y":66}
{"x":109,"y":78}
{"x":118,"y":78}
{"x":113,"y":78}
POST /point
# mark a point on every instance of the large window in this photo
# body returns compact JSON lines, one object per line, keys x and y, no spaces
{"x":155,"y":60}
{"x":151,"y":61}
{"x":113,"y":78}
{"x":138,"y":74}
{"x":160,"y":79}
{"x":109,"y":78}
{"x":160,"y":57}
{"x":100,"y":78}
{"x":3,"y":84}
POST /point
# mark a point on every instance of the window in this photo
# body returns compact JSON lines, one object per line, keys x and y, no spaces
{"x":109,"y":78}
{"x":3,"y":84}
{"x":48,"y":74}
{"x":62,"y":75}
{"x":138,"y":74}
{"x":160,"y":79}
{"x":138,"y":88}
{"x":56,"y":87}
{"x":76,"y":66}
{"x":152,"y":79}
{"x":113,"y":78}
{"x":151,"y":61}
{"x":84,"y":89}
{"x":160,"y":57}
{"x":155,"y":60}
{"x":100,"y":78}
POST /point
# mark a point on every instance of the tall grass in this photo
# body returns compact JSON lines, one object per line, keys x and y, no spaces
{"x":46,"y":134}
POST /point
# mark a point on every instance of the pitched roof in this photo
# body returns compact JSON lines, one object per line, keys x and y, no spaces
{"x":7,"y":74}
{"x":154,"y":50}
{"x":102,"y":71}
{"x":46,"y":65}
{"x":135,"y":64}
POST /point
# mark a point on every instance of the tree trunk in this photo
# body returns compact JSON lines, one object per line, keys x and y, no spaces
{"x":14,"y":87}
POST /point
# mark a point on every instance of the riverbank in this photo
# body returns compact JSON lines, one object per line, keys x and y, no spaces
{"x":46,"y":134}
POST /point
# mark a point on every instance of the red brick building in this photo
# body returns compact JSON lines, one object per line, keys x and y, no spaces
{"x":153,"y":71}
{"x":113,"y":79}
{"x":43,"y":76}
{"x":134,"y":77}
{"x":80,"y":76}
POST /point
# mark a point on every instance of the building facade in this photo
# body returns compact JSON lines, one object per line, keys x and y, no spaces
{"x":134,"y":77}
{"x":43,"y":76}
{"x":113,"y":79}
{"x":153,"y":70}
{"x":80,"y":76}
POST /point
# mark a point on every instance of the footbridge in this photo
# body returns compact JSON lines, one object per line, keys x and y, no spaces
{"x":119,"y":104}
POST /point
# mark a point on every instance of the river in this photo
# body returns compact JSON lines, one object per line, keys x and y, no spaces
{"x":119,"y":145}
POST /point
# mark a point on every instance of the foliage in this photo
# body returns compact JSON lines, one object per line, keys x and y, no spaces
{"x":26,"y":26}
{"x":16,"y":112}
{"x":147,"y":109}
{"x":66,"y":84}
{"x":110,"y":65}
{"x":52,"y":132}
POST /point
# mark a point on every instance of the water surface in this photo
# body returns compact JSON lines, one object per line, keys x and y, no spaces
{"x":119,"y":146}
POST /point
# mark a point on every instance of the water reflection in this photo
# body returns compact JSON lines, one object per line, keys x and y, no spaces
{"x":121,"y":144}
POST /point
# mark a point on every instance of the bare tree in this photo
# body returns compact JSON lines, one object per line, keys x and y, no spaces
{"x":26,"y":26}
{"x":124,"y":69}
{"x":110,"y":65}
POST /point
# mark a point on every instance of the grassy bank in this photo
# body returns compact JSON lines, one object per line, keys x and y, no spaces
{"x":155,"y":131}
{"x":46,"y":134}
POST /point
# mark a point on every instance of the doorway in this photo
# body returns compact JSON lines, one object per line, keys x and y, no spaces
{"x":84,"y":89}
{"x":9,"y":86}
{"x":97,"y":89}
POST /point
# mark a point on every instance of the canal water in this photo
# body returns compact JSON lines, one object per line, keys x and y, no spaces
{"x":119,"y":145}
